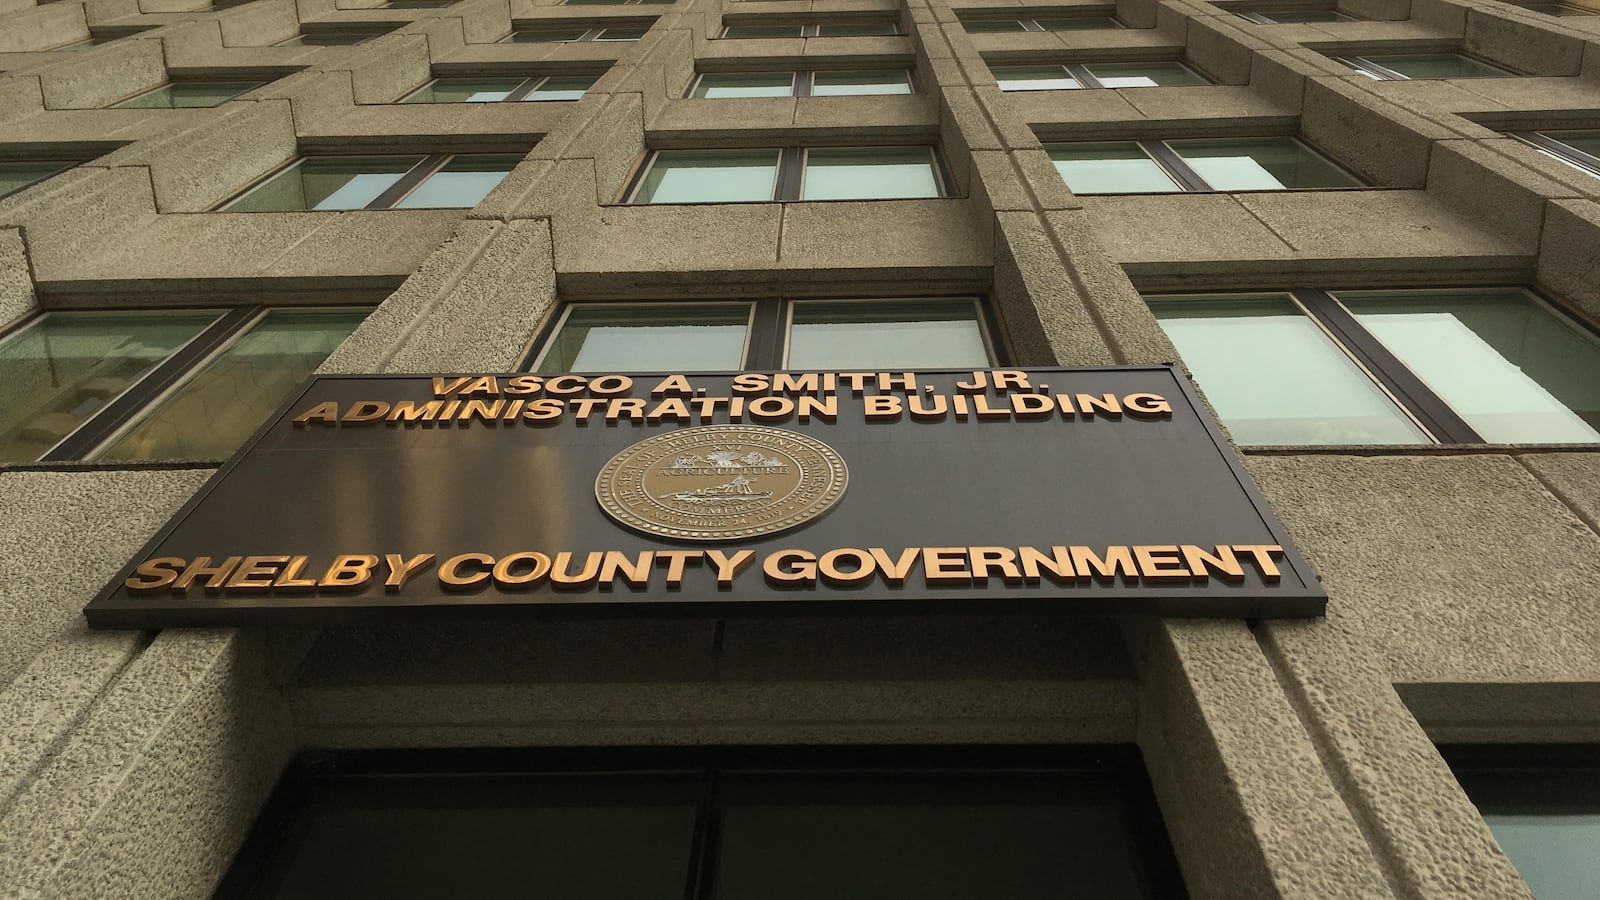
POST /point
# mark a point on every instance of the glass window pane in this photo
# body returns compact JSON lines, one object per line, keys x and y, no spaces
{"x":417,"y":4}
{"x":329,"y":39}
{"x":992,"y":26}
{"x":1252,"y":164}
{"x":1436,"y":65}
{"x":546,"y":36}
{"x":465,"y":90}
{"x":224,"y":402}
{"x":489,"y":837}
{"x":1584,"y":141}
{"x":869,"y":173}
{"x":1110,"y":168}
{"x":1144,"y":74}
{"x":326,"y":183}
{"x":563,"y":87}
{"x":1513,"y":370}
{"x":622,"y":34}
{"x":1547,"y":820}
{"x":1286,"y":17}
{"x":901,"y":334}
{"x":461,"y":183}
{"x":714,"y":85}
{"x":1079,"y":23}
{"x":188,"y":93}
{"x":857,"y":29}
{"x":859,"y":83}
{"x":709,"y":176}
{"x":14,"y":176}
{"x":65,"y":367}
{"x":657,"y":337}
{"x":910,"y":836}
{"x":1274,"y":378}
{"x":1034,"y":78}
{"x":761,"y":31}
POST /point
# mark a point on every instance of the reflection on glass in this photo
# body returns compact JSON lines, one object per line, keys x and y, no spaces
{"x":417,"y":4}
{"x":869,"y":173}
{"x":715,"y":85}
{"x":1255,"y":164}
{"x":992,"y":26}
{"x":223,"y":403}
{"x":1144,"y":74}
{"x":326,"y":183}
{"x":1118,"y":167}
{"x":860,"y":82}
{"x":465,"y":90}
{"x":1034,"y":78}
{"x":1582,"y":141}
{"x":622,"y":34}
{"x":709,"y":176}
{"x":914,"y":836}
{"x":65,"y":367}
{"x":857,"y":29}
{"x":563,"y":87}
{"x":655,"y":337}
{"x":1079,"y":23}
{"x":329,"y":39}
{"x":461,"y":183}
{"x":1436,"y":65}
{"x":761,"y":31}
{"x":415,"y":837}
{"x":1547,"y":819}
{"x":14,"y":176}
{"x":545,"y":36}
{"x":1305,"y":17}
{"x":188,"y":93}
{"x":1274,"y":378}
{"x":1513,"y":370}
{"x":901,"y":334}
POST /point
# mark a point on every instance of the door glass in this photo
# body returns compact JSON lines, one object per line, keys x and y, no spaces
{"x":65,"y":367}
{"x":902,"y":335}
{"x":1513,"y":370}
{"x":225,"y":401}
{"x":664,"y":337}
{"x":869,"y":173}
{"x":1274,"y":378}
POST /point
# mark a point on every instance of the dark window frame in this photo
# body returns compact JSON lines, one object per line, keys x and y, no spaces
{"x":1562,"y":151}
{"x":1427,"y":409}
{"x":1088,"y":81}
{"x":263,"y":850}
{"x":766,"y":346}
{"x":802,"y":82}
{"x":145,"y":394}
{"x":429,"y":165}
{"x":791,"y":170}
{"x":1190,"y":181}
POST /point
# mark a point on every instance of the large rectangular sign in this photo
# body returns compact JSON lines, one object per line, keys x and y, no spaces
{"x":1070,"y":490}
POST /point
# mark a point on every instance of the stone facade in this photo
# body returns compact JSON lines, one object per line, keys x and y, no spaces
{"x":1290,"y":758}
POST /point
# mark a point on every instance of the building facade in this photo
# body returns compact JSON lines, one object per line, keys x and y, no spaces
{"x":1370,"y":233}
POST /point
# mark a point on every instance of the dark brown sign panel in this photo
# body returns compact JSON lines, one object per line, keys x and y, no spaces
{"x":1070,"y":490}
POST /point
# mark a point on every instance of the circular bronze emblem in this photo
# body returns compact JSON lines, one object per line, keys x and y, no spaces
{"x":721,"y":482}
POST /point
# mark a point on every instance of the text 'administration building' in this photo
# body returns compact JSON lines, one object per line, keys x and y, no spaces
{"x":547,"y":585}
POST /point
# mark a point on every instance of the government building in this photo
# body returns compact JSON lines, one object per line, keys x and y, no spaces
{"x":769,"y":449}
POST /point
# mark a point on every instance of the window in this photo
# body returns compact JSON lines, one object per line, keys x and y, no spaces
{"x":1065,"y":23}
{"x":155,"y":384}
{"x":417,"y":4}
{"x":1389,"y":367}
{"x":1414,"y":66}
{"x":1560,"y":9}
{"x":330,"y":39}
{"x":1071,"y":76}
{"x":188,"y":93}
{"x":834,"y":83}
{"x":767,"y":334}
{"x":575,"y":35}
{"x":821,"y":29}
{"x":1295,"y":16}
{"x":1543,"y":806}
{"x":1220,"y":164}
{"x":377,"y":182}
{"x":18,"y":174}
{"x":811,"y":173}
{"x":613,"y":2}
{"x":489,"y":90}
{"x":924,"y":823}
{"x":1580,"y":149}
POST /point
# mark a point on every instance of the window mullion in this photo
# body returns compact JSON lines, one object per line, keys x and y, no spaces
{"x":1031,"y":25}
{"x":810,"y":31}
{"x":791,"y":169}
{"x":1168,"y":159}
{"x":527,"y":87}
{"x":1083,"y":75}
{"x":1415,"y":396}
{"x":804,"y":83}
{"x":409,"y":181}
{"x":767,"y":338}
{"x":1371,"y":68}
{"x":138,"y":397}
{"x":703,"y":846}
{"x":592,"y":34}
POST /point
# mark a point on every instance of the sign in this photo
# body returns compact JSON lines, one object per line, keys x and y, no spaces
{"x":414,"y":497}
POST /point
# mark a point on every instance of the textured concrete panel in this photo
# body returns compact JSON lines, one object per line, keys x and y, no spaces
{"x":1568,"y":260}
{"x":16,"y":282}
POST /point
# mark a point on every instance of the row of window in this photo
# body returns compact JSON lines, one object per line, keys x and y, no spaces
{"x":1301,"y":367}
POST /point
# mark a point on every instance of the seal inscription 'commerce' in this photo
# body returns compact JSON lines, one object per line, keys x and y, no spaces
{"x":721,"y":482}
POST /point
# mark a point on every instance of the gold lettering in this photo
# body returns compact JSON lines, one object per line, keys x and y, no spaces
{"x":673,"y":384}
{"x":401,"y":569}
{"x":882,"y":406}
{"x":442,"y":388}
{"x":411,"y":412}
{"x":1147,"y":406}
{"x":675,"y":561}
{"x":670,"y":408}
{"x":862,"y":566}
{"x":452,"y":578}
{"x":636,"y":571}
{"x":1224,"y":565}
{"x":980,"y":405}
{"x":1005,"y":379}
{"x":1160,"y":562}
{"x":824,"y":408}
{"x":789,"y":383}
{"x":563,"y":579}
{"x":200,"y":566}
{"x":630,"y":407}
{"x":566,"y":385}
{"x":896,"y":570}
{"x":544,"y":410}
{"x":1261,"y":555}
{"x":524,"y":384}
{"x":978,"y":384}
{"x":1118,"y":559}
{"x":155,"y":573}
{"x":790,"y":568}
{"x":1058,"y":564}
{"x":255,"y":573}
{"x":770,"y":409}
{"x":488,"y":410}
{"x":905,"y":381}
{"x":322,"y":414}
{"x":729,"y":566}
{"x":945,"y":565}
{"x":1105,"y":404}
{"x":610,"y":385}
{"x":1032,"y":406}
{"x":750,"y":383}
{"x":506,"y":576}
{"x":1002,"y":558}
{"x":486,"y":384}
{"x":349,"y":572}
{"x":289,"y":579}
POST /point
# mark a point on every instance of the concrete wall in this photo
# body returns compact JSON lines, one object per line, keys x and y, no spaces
{"x":1291,"y":759}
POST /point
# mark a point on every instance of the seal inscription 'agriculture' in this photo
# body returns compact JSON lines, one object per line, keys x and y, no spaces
{"x":721,"y":482}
